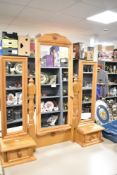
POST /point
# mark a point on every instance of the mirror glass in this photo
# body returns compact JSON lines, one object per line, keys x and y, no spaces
{"x":54,"y":85}
{"x":87,"y":92}
{"x":13,"y":96}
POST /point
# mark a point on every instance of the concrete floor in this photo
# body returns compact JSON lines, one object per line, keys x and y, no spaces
{"x":71,"y":159}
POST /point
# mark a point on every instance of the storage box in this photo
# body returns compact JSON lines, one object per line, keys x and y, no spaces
{"x":9,"y":51}
{"x":24,"y":45}
{"x":9,"y":43}
{"x":0,"y":47}
{"x":6,"y":35}
{"x":32,"y":48}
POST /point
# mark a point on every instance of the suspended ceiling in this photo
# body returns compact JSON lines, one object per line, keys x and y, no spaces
{"x":67,"y":17}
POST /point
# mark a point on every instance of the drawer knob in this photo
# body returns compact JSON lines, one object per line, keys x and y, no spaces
{"x":19,"y":154}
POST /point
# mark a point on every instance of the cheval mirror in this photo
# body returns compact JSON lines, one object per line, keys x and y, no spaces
{"x":54,"y":94}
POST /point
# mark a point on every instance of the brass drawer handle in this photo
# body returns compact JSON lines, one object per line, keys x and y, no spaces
{"x":19,"y":154}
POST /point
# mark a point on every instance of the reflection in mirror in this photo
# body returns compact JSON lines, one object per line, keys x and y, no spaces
{"x":54,"y":85}
{"x":87,"y":92}
{"x":14,"y":96}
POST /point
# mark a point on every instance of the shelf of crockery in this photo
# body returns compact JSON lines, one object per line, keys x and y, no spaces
{"x":15,"y":121}
{"x":50,"y":112}
{"x":112,"y":73}
{"x":13,"y":75}
{"x":13,"y":89}
{"x":111,"y":97}
{"x":87,"y":88}
{"x":112,"y":84}
{"x":10,"y":106}
{"x":51,"y":85}
{"x":86,"y":102}
{"x":87,"y":72}
{"x":48,"y":97}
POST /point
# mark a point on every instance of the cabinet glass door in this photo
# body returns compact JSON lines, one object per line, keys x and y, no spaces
{"x":13,"y":74}
{"x":87,"y":92}
{"x":13,"y":96}
{"x":54,"y":85}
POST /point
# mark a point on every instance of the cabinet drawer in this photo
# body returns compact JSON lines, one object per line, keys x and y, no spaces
{"x":91,"y":137}
{"x":18,"y":154}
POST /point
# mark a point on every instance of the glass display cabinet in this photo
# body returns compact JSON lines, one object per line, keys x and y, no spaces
{"x":88,"y":132}
{"x":14,"y":95}
{"x":16,"y":145}
{"x":87,"y":95}
{"x":53,"y":83}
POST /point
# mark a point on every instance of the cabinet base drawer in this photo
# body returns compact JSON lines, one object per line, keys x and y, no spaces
{"x":17,"y":151}
{"x":88,"y":139}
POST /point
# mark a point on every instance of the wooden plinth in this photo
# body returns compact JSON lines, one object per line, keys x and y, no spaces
{"x":89,"y":134}
{"x":17,"y":150}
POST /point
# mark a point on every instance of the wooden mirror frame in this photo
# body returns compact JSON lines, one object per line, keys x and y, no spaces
{"x":50,"y":40}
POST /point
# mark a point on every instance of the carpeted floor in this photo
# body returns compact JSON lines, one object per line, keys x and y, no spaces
{"x":71,"y":159}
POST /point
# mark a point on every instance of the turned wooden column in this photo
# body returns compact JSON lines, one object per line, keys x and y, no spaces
{"x":31,"y":94}
{"x":75,"y":107}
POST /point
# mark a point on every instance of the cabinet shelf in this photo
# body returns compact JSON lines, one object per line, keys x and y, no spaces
{"x":50,"y":68}
{"x":14,"y":75}
{"x":10,"y":106}
{"x":86,"y":102}
{"x":65,"y":96}
{"x":112,"y":84}
{"x":64,"y":67}
{"x":65,"y":81}
{"x":52,"y":112}
{"x":87,"y":88}
{"x":50,"y":85}
{"x":13,"y":89}
{"x":14,"y":121}
{"x":65,"y":110}
{"x":87,"y":72}
{"x":112,"y":73}
{"x":111,"y":97}
{"x":50,"y":97}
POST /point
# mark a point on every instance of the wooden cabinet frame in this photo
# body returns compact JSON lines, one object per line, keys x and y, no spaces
{"x":87,"y":132}
{"x":23,"y":60}
{"x":94,"y":81}
{"x":50,"y":40}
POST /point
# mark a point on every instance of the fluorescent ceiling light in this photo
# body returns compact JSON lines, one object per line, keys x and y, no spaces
{"x":105,"y":43}
{"x":105,"y":17}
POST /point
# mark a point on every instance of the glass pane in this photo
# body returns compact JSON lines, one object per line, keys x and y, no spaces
{"x":14,"y":96}
{"x":54,"y":85}
{"x":87,"y":91}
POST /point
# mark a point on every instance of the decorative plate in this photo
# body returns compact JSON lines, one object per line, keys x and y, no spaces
{"x":10,"y":99}
{"x":102,"y":113}
{"x":44,"y":78}
{"x":18,"y":68}
{"x":49,"y":105}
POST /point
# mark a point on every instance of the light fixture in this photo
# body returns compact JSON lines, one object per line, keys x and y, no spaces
{"x":105,"y":17}
{"x":105,"y":43}
{"x":106,"y":30}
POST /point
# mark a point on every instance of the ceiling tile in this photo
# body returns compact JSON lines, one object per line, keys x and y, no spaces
{"x":9,"y":9}
{"x":34,"y":15}
{"x":51,"y":5}
{"x":82,"y":10}
{"x":5,"y":19}
{"x":107,"y":4}
{"x":22,"y":2}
